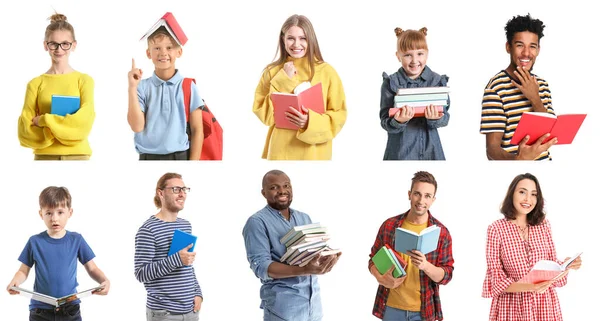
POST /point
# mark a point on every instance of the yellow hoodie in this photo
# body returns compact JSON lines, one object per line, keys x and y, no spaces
{"x":57,"y":135}
{"x":314,"y":142}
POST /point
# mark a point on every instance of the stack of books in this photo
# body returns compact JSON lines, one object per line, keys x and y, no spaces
{"x":304,"y":242}
{"x":385,"y":258}
{"x":420,"y":98}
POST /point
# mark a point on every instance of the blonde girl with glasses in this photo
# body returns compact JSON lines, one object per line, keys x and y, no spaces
{"x":52,"y":136}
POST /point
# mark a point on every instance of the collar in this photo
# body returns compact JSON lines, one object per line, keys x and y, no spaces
{"x":426,"y":75}
{"x":177,"y":77}
{"x":278,"y":213}
{"x":402,"y":217}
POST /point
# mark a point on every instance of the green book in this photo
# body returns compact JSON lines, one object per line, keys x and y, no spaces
{"x":383,"y":260}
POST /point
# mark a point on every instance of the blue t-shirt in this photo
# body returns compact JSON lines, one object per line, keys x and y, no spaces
{"x":55,"y":263}
{"x":164,"y":109}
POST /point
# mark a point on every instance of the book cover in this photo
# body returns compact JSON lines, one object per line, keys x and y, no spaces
{"x":308,"y":238}
{"x":425,"y":242}
{"x":384,"y":260}
{"x":546,"y":270}
{"x":170,"y":23}
{"x":422,"y":90}
{"x":64,"y":105}
{"x":421,"y":103}
{"x":420,"y":97}
{"x":307,"y":259}
{"x":419,"y":111}
{"x":316,"y":231}
{"x":180,"y":241}
{"x":311,"y":98}
{"x":56,"y":302}
{"x":401,"y":262}
{"x":535,"y":124}
{"x":292,"y":232}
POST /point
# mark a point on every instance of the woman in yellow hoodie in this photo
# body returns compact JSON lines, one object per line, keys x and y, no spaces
{"x":55,"y":137}
{"x":299,"y":61}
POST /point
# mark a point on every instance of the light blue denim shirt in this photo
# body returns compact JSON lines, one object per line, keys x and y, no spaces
{"x":291,"y":299}
{"x":164,"y":109}
{"x":418,"y":138}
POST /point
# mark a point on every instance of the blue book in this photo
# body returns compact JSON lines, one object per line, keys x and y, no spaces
{"x":180,"y":241}
{"x":64,"y":105}
{"x":424,"y":242}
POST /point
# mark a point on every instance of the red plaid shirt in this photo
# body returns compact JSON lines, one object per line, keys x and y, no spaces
{"x":431,"y":307}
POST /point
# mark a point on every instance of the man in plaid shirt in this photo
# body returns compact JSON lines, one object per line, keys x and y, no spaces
{"x":415,"y":296}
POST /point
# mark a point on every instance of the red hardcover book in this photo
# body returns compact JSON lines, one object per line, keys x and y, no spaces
{"x":170,"y":23}
{"x":311,"y":98}
{"x":535,"y":124}
{"x":419,"y":110}
{"x":398,"y":256}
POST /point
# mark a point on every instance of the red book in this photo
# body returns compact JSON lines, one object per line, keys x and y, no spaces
{"x":535,"y":124}
{"x":311,"y":98}
{"x":398,"y":256}
{"x":172,"y":26}
{"x":545,"y":270}
{"x":419,"y":110}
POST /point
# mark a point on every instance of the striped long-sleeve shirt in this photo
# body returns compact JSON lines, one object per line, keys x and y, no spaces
{"x":171,"y":285}
{"x":502,"y":107}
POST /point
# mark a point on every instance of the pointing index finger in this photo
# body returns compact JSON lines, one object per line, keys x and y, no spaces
{"x":132,"y":63}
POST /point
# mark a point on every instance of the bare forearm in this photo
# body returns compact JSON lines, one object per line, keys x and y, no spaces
{"x":436,"y":274}
{"x":538,"y":106}
{"x":519,"y":287}
{"x":498,"y":153}
{"x":196,"y":145}
{"x":19,"y":277}
{"x":135,"y":116}
{"x":97,"y":275}
{"x":278,"y":270}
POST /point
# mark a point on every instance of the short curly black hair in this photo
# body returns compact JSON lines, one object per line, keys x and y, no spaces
{"x":524,"y":23}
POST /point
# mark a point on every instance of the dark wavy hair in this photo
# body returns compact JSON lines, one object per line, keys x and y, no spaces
{"x":524,"y":23}
{"x":537,"y":215}
{"x":424,"y":177}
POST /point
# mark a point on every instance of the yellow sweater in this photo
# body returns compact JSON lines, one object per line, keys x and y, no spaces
{"x":57,"y":135}
{"x":314,"y":142}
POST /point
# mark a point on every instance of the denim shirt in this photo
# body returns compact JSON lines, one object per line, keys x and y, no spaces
{"x":417,"y":139}
{"x":294,"y":298}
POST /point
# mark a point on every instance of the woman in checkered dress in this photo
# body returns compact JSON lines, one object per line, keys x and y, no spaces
{"x":514,"y":244}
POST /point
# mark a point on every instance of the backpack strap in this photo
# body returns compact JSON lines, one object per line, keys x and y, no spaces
{"x":187,"y":96}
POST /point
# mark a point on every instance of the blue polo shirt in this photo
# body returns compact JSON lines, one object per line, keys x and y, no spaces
{"x":162,"y":103}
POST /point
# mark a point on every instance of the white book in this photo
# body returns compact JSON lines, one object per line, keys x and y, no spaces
{"x":57,"y":302}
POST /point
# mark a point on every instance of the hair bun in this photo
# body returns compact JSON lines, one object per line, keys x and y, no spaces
{"x":57,"y":17}
{"x":423,"y":30}
{"x":398,"y":31}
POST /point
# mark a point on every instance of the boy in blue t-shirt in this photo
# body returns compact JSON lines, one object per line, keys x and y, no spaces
{"x":55,"y":253}
{"x":156,"y":111}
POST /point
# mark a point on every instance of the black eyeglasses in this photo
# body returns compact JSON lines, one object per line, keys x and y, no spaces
{"x":63,"y":45}
{"x":178,"y":189}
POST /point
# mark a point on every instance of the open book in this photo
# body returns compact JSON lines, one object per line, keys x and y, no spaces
{"x":424,"y":242}
{"x":56,"y":302}
{"x":545,"y":270}
{"x":535,"y":124}
{"x":311,"y":98}
{"x":172,"y":26}
{"x":64,"y":105}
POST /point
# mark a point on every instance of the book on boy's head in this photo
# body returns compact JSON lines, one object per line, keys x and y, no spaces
{"x":311,"y":98}
{"x":384,"y":260}
{"x":172,"y":26}
{"x":64,"y":105}
{"x":56,"y":302}
{"x":545,"y":270}
{"x":536,"y":124}
{"x":424,"y":242}
{"x":180,"y":241}
{"x":419,"y":110}
{"x":422,"y":90}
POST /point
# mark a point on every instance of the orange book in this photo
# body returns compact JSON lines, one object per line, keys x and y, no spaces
{"x":311,"y":98}
{"x":535,"y":124}
{"x":172,"y":26}
{"x":419,"y":110}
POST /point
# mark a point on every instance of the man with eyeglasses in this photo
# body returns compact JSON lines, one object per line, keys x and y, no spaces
{"x":173,"y":290}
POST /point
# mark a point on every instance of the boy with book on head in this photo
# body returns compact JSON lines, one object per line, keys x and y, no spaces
{"x":173,"y":292}
{"x":416,"y":295}
{"x":514,"y":91}
{"x":55,"y":253}
{"x":157,"y":111}
{"x":288,"y":292}
{"x":54,"y":135}
{"x":413,"y":135}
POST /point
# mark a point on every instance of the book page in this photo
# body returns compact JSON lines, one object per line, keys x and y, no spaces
{"x":547,"y":266}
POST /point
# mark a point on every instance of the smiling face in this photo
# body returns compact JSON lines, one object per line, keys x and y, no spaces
{"x":523,"y":50}
{"x":277,"y":190}
{"x":525,"y":197}
{"x":295,"y":42}
{"x":58,"y":37}
{"x":56,"y":219}
{"x":413,"y":61}
{"x":163,"y":52}
{"x":170,"y":201}
{"x":421,"y":196}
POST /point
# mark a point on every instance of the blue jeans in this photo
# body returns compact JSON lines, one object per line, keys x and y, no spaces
{"x":164,"y":315}
{"x":68,"y":312}
{"x":393,"y":314}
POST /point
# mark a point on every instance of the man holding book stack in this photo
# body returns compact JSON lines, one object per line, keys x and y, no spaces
{"x":289,"y":291}
{"x":413,"y":295}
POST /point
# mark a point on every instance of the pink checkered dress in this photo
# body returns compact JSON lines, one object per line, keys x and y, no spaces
{"x":509,"y":259}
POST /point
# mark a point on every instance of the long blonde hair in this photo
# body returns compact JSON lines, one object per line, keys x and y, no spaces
{"x":313,"y":53}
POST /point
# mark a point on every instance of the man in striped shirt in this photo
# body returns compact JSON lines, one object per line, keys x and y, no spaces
{"x":173,"y":290}
{"x":514,"y":91}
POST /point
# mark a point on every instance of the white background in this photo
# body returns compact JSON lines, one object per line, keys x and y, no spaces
{"x":230,"y":42}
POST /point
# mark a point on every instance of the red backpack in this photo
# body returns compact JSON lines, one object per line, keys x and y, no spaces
{"x":212,"y":147}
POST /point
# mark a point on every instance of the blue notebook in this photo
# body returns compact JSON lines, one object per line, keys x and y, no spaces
{"x":64,"y":105}
{"x":180,"y":241}
{"x":424,"y":242}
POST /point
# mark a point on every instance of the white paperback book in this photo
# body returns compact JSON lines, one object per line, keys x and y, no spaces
{"x":57,"y":302}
